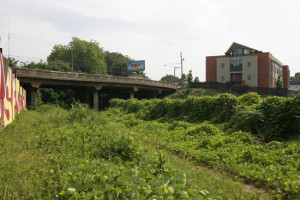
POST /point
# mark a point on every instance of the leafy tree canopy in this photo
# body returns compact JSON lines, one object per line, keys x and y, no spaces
{"x":169,"y":79}
{"x":115,"y":62}
{"x":183,"y":78}
{"x":279,"y":83}
{"x":196,"y":80}
{"x":84,"y":56}
{"x":296,"y":79}
{"x":189,"y":77}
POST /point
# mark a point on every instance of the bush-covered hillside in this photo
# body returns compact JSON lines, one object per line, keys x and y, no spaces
{"x":52,"y":153}
{"x":256,"y":139}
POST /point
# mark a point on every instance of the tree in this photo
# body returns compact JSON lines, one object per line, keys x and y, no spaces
{"x":169,"y":79}
{"x":84,"y":56}
{"x":189,"y":77}
{"x":196,"y":80}
{"x":183,"y":79}
{"x":57,"y":65}
{"x":279,"y":83}
{"x":296,"y":79}
{"x":114,"y":62}
{"x":13,"y":62}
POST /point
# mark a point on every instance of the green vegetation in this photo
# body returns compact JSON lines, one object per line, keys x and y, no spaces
{"x":153,"y":149}
{"x":295,"y":80}
{"x":187,"y":92}
{"x":256,"y":140}
{"x":280,"y":115}
{"x":52,"y":153}
{"x":169,"y":79}
{"x":77,"y":56}
{"x":279,"y":83}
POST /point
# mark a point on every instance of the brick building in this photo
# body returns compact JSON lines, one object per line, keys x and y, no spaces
{"x":243,"y":65}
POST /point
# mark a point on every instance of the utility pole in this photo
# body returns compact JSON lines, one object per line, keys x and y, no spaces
{"x":174,"y":74}
{"x":72,"y":58}
{"x":122,"y":65}
{"x":181,"y":62}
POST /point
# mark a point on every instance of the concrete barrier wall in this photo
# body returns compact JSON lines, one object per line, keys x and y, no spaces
{"x":12,"y":95}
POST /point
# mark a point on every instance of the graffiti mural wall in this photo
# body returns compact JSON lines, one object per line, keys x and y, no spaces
{"x":12,"y":95}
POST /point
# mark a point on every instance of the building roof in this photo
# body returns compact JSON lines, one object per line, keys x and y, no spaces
{"x":239,"y":46}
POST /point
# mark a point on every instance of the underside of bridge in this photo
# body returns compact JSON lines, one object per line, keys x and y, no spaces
{"x":93,"y":89}
{"x":97,"y":99}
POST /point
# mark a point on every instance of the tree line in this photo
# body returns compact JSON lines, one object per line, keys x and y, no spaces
{"x":80,"y":56}
{"x":182,"y":80}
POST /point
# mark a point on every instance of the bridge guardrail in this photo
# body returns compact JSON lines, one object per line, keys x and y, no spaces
{"x":35,"y":73}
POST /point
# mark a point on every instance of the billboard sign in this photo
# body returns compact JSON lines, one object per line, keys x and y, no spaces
{"x":136,"y":66}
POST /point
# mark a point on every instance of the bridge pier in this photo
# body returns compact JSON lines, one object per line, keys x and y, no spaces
{"x":131,"y":95}
{"x":34,"y":96}
{"x":96,"y":100}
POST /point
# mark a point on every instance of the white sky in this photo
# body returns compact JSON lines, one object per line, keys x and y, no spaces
{"x":154,"y":30}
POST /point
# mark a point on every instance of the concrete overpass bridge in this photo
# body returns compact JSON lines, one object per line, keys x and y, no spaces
{"x":90,"y":85}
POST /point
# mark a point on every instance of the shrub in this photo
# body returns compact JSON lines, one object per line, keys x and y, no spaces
{"x":249,"y":99}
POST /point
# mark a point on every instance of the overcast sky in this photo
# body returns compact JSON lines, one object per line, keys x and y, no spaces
{"x":154,"y":30}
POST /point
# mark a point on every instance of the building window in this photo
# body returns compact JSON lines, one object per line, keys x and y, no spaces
{"x":212,"y":79}
{"x":223,"y":78}
{"x":249,"y":77}
{"x":262,"y":64}
{"x":237,"y":52}
{"x":249,"y":64}
{"x":212,"y":66}
{"x":263,"y":77}
{"x":223,"y":65}
{"x":236,"y":65}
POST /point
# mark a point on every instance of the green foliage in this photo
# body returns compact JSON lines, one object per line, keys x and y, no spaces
{"x":279,"y":83}
{"x":169,"y":79}
{"x":85,"y":56}
{"x":247,"y":118}
{"x":80,"y":154}
{"x":183,"y":79}
{"x":276,"y":118}
{"x":281,"y":117}
{"x":271,"y":165}
{"x":189,"y":77}
{"x":249,"y":99}
{"x":64,"y":98}
{"x":196,"y":80}
{"x":13,"y":62}
{"x":218,"y":109}
{"x":115,"y":62}
{"x":295,"y":80}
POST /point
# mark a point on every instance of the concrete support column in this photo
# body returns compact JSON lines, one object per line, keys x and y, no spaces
{"x":131,"y":95}
{"x":34,"y":97}
{"x":96,"y":100}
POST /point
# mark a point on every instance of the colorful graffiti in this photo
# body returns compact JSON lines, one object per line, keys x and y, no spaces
{"x":12,"y":95}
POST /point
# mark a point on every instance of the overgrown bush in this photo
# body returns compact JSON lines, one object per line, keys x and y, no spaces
{"x":281,"y":117}
{"x":249,"y":99}
{"x":246,"y":118}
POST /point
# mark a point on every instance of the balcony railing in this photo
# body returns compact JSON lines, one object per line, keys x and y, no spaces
{"x":236,"y":68}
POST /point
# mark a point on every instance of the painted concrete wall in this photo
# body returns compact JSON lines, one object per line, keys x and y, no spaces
{"x":250,"y":70}
{"x":223,"y":69}
{"x":12,"y":95}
